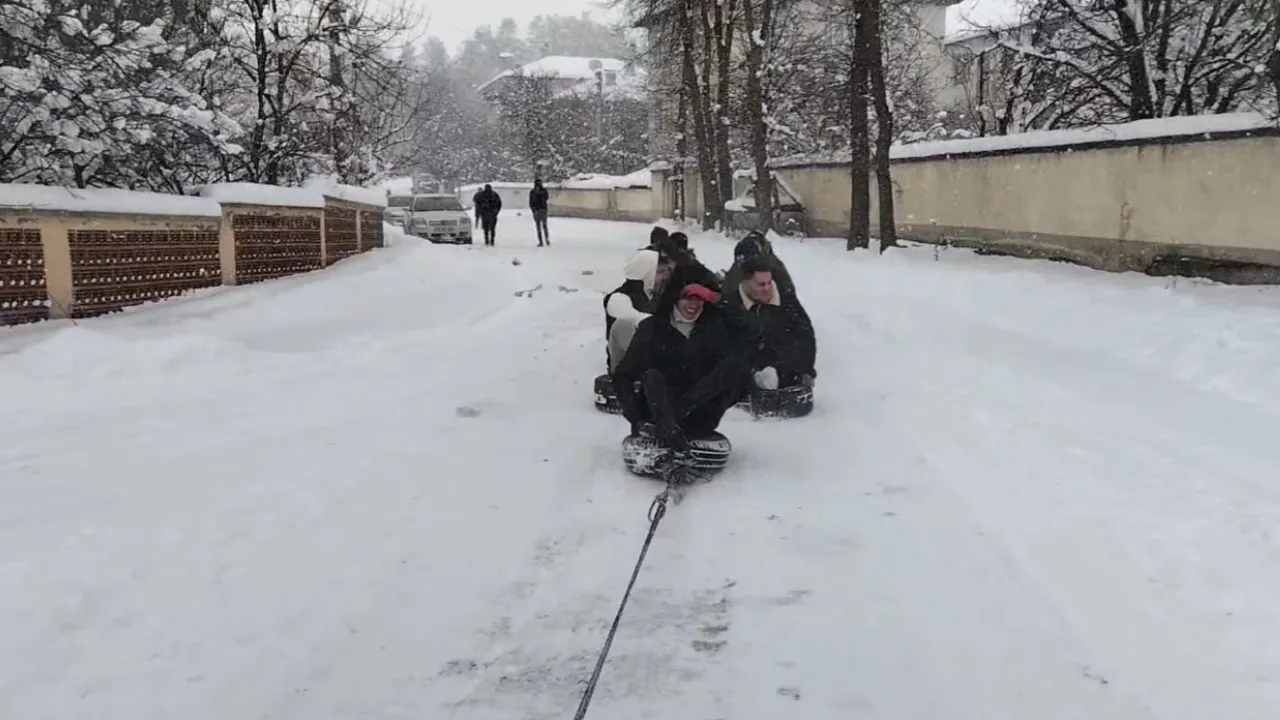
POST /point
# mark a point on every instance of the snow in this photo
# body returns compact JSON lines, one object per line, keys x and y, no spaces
{"x":1047,"y":140}
{"x":971,"y":18}
{"x":241,"y":193}
{"x":329,"y":187}
{"x":1027,"y":490}
{"x":642,"y":178}
{"x":565,"y":67}
{"x":103,"y":200}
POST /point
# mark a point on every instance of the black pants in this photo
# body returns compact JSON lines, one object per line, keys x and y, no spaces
{"x":696,"y":412}
{"x":540,"y":222}
{"x":490,"y":227}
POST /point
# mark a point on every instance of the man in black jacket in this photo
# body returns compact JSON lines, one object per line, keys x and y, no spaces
{"x":538,"y":197}
{"x":786,"y":349}
{"x":690,"y":357}
{"x":488,"y":204}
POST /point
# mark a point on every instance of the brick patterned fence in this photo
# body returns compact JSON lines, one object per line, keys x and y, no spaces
{"x":81,"y":253}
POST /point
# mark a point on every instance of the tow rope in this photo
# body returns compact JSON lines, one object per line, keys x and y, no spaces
{"x":656,"y":512}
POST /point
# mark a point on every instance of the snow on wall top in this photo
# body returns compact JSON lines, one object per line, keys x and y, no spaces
{"x":1048,"y":140}
{"x":329,"y":187}
{"x":241,"y":193}
{"x":104,"y":200}
{"x":591,"y":181}
{"x":973,"y":18}
{"x":566,"y":67}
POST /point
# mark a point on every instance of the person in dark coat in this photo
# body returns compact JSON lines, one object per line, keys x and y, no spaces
{"x":632,"y":301}
{"x":690,"y":358}
{"x":488,"y":204}
{"x":538,"y":198}
{"x":756,"y":245}
{"x":785,"y":350}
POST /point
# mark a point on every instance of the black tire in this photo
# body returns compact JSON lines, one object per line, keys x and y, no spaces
{"x":710,"y":454}
{"x":606,"y":398}
{"x":788,"y":402}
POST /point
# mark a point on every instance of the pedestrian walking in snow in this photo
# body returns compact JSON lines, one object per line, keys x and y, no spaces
{"x":488,"y":204}
{"x":538,"y":197}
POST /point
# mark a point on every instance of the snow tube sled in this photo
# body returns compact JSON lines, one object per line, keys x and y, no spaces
{"x":606,"y":398}
{"x":642,"y":454}
{"x":788,"y":402}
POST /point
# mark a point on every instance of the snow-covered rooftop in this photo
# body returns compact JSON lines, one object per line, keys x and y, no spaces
{"x":104,"y":200}
{"x":564,"y":67}
{"x":629,"y":84}
{"x":973,"y":18}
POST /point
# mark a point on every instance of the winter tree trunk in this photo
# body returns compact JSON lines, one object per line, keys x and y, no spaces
{"x":884,"y":125}
{"x":724,"y":30}
{"x":712,"y":205}
{"x":758,"y":30}
{"x":1273,"y":58}
{"x":859,"y":131}
{"x":682,"y":152}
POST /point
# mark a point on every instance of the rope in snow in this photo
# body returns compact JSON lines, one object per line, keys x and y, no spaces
{"x":656,"y":512}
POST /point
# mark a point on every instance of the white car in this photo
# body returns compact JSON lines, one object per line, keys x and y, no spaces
{"x":397,"y":209}
{"x":439,"y":218}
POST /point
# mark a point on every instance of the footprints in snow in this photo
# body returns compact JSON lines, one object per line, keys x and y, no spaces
{"x":529,"y":293}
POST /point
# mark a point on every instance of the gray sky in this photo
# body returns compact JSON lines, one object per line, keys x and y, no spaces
{"x":454,"y":20}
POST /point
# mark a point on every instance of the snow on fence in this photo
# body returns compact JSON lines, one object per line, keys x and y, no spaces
{"x":1189,"y":196}
{"x":78,"y":253}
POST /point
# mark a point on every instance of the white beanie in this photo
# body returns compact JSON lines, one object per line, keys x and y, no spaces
{"x":642,"y":266}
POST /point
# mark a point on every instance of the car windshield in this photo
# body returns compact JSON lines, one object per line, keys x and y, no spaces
{"x":403,"y":201}
{"x":437,"y":202}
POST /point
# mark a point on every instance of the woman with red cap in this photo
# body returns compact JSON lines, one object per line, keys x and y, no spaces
{"x":691,"y":361}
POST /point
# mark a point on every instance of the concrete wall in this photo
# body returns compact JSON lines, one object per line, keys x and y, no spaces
{"x":626,"y":204}
{"x":1203,"y":208}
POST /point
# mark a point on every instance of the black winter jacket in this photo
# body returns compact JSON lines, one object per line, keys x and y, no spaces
{"x":487,"y":204}
{"x":785,"y":339}
{"x":538,"y":198}
{"x":721,"y":330}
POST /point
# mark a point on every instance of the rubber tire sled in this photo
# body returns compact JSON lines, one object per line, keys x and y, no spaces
{"x":788,"y":402}
{"x":641,"y":453}
{"x":606,"y":398}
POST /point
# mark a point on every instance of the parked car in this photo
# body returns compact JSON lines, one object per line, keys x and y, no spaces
{"x":397,"y":209}
{"x":439,"y":218}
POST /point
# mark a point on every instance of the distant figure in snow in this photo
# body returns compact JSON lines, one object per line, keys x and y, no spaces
{"x":538,"y":197}
{"x":488,"y":204}
{"x":646,"y":273}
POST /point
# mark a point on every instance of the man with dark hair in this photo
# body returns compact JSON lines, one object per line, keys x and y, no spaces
{"x":658,"y":236}
{"x":756,"y":245}
{"x":690,"y":360}
{"x":786,"y":349}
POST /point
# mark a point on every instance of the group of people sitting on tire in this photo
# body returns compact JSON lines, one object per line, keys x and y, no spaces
{"x":684,"y":346}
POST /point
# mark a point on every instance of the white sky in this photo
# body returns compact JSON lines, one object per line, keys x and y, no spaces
{"x":454,"y":20}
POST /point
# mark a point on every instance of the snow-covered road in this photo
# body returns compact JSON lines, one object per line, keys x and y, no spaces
{"x":1028,"y":491}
